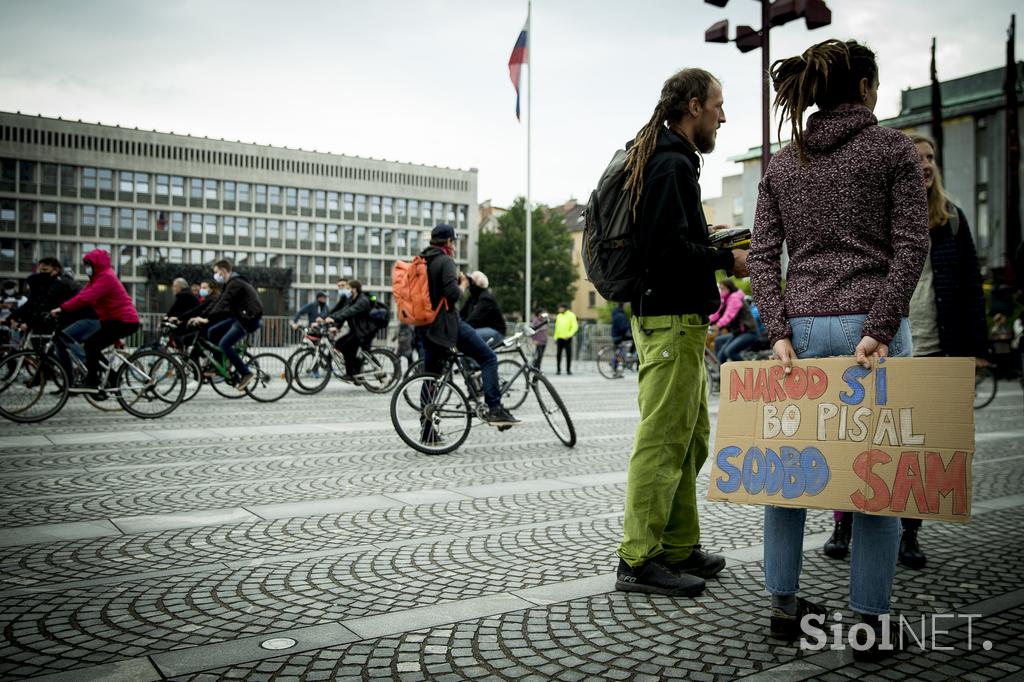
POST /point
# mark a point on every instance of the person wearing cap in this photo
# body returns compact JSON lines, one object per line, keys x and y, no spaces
{"x":481,"y":311}
{"x":448,"y":329}
{"x":314,"y":310}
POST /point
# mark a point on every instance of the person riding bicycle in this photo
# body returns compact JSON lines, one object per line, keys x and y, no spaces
{"x":448,"y":330}
{"x":621,"y":332}
{"x":344,"y":298}
{"x":47,"y":288}
{"x":236,"y":312}
{"x":362,"y":330}
{"x":481,"y":311}
{"x":314,"y":310}
{"x":118,"y":318}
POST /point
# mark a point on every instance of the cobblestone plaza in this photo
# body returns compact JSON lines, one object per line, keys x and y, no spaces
{"x":302,"y":541}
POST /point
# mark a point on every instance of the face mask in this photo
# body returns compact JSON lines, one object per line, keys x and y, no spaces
{"x":345,"y":293}
{"x":204,"y":292}
{"x":218,"y":278}
{"x":88,"y":271}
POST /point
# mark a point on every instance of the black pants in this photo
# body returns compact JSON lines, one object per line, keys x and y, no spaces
{"x":563,"y":345}
{"x":349,"y":346}
{"x":538,"y":354}
{"x":110,"y":331}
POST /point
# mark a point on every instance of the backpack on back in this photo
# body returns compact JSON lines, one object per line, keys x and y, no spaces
{"x":609,"y":253}
{"x":380,"y":313}
{"x":411,"y":289}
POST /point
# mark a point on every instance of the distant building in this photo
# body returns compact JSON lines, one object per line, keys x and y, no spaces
{"x":587,"y":300}
{"x":727,"y":208}
{"x":164,"y":203}
{"x":974,"y":128}
{"x":489,"y":215}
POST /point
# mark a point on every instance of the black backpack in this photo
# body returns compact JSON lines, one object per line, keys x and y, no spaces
{"x":609,"y":252}
{"x":380,"y":313}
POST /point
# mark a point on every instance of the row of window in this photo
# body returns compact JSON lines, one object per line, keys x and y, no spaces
{"x":87,"y":220}
{"x":109,"y":145}
{"x":88,"y":182}
{"x":21,"y":255}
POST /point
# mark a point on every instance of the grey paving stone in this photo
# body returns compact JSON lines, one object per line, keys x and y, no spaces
{"x":51,"y":532}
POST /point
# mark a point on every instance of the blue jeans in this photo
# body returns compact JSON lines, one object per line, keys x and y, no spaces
{"x":875,"y":539}
{"x":469,"y":343}
{"x":728,"y":346}
{"x":489,"y":333}
{"x":226,"y":334}
{"x":78,"y":331}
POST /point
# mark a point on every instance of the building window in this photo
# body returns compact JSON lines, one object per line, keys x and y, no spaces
{"x":349,"y":243}
{"x":210,"y":189}
{"x":274,"y":229}
{"x":321,"y":200}
{"x":414,"y":209}
{"x":210,"y":225}
{"x":163,"y":185}
{"x":360,"y":203}
{"x":243,"y":227}
{"x":261,"y":196}
{"x":88,"y":178}
{"x":177,"y":225}
{"x":290,"y":197}
{"x":348,"y":202}
{"x":375,"y":206}
{"x":591,"y":299}
{"x":229,"y":190}
{"x":332,"y":234}
{"x":177,"y":186}
{"x":229,"y":226}
{"x":321,"y":234}
{"x":400,"y":210}
{"x":275,"y":195}
{"x":303,"y":198}
{"x":106,"y":217}
{"x":195,"y":223}
{"x":88,"y":216}
{"x":196,"y":191}
{"x":142,"y":183}
{"x":388,"y":208}
{"x":243,"y":192}
{"x":425,"y":212}
{"x":49,"y":214}
{"x":261,"y":228}
{"x":289,"y":229}
{"x":332,"y":201}
{"x":106,"y":179}
{"x":7,"y":213}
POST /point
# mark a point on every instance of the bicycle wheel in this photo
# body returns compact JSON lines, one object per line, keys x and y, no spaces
{"x":193,"y":375}
{"x":150,"y":384}
{"x":416,"y":368}
{"x":430,"y":414}
{"x":714,"y":372}
{"x":985,"y":386}
{"x":512,"y":382}
{"x":608,"y":363}
{"x":553,"y":409}
{"x":32,"y":387}
{"x":224,"y":387}
{"x":273,"y":377}
{"x":381,"y":371}
{"x":311,"y":370}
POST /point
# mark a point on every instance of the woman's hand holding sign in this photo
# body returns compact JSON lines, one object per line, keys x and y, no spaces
{"x":869,"y":347}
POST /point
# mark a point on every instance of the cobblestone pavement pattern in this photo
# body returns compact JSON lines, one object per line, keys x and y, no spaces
{"x":302,"y":541}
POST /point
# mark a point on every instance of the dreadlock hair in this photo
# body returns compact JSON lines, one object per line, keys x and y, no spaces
{"x":674,"y":103}
{"x":827,"y":74}
{"x":938,"y":200}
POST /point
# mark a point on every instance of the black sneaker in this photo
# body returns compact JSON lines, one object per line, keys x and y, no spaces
{"x":654,"y":577}
{"x":499,"y":416}
{"x":875,"y":652}
{"x":787,"y":627}
{"x":838,"y":544}
{"x":700,"y":563}
{"x":910,"y":554}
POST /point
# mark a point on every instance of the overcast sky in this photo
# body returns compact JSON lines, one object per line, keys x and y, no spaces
{"x":426,"y":81}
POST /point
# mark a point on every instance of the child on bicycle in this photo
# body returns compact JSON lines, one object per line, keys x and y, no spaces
{"x":106,"y":295}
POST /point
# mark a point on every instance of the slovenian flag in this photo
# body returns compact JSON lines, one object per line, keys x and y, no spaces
{"x":516,"y":61}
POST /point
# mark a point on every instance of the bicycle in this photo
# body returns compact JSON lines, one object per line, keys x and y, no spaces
{"x":313,"y":364}
{"x":614,"y":360}
{"x":985,"y":386}
{"x":714,"y":370}
{"x":34,"y":385}
{"x":433,"y":415}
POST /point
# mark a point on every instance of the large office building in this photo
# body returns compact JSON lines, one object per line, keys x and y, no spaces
{"x":166,"y":205}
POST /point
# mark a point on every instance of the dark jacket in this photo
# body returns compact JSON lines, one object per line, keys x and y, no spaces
{"x":357,"y":313}
{"x":184,"y":301}
{"x":671,"y":235}
{"x":238,"y":300}
{"x":339,"y":306}
{"x":620,"y":324}
{"x":312,"y":311}
{"x":443,"y":280}
{"x":481,"y":310}
{"x":44,"y":294}
{"x":959,"y":300}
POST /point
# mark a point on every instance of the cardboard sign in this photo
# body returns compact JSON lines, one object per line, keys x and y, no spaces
{"x":896,"y":439}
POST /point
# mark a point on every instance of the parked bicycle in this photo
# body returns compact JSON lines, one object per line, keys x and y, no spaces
{"x":985,"y":386}
{"x":313,"y":364}
{"x":433,"y":414}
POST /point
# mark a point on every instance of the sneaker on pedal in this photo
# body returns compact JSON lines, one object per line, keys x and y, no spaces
{"x":245,"y":381}
{"x":499,"y":416}
{"x":655,"y":577}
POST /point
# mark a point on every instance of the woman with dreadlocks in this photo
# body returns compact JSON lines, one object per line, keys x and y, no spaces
{"x":660,"y":552}
{"x":847,"y":197}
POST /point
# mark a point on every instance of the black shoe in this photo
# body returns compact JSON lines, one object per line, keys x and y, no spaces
{"x":838,"y":545}
{"x":499,"y":416}
{"x":875,"y":652}
{"x":654,"y":577}
{"x":787,"y":627}
{"x":911,"y":555}
{"x":699,"y":563}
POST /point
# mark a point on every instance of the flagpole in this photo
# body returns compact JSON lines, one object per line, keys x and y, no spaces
{"x":529,"y":122}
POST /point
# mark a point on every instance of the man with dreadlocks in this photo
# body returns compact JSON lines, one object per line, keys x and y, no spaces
{"x":660,"y":551}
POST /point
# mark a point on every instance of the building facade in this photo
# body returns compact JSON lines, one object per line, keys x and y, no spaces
{"x":164,"y":204}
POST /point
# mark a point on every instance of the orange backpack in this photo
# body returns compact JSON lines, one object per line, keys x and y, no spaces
{"x":411,"y":290}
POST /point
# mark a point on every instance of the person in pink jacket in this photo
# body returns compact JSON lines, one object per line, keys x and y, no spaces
{"x":113,"y":306}
{"x":733,"y":317}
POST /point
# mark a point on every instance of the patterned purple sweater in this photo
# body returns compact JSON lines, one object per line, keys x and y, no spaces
{"x":855,"y":222}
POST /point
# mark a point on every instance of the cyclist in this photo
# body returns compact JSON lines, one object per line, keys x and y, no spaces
{"x":481,"y":311}
{"x":48,"y":287}
{"x":361,"y":329}
{"x":236,"y":312}
{"x":117,"y":315}
{"x":344,"y":296}
{"x":184,"y":299}
{"x":621,"y":332}
{"x":314,"y":310}
{"x":449,"y":330}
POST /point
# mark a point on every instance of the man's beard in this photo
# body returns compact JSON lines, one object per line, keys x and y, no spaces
{"x":704,"y":141}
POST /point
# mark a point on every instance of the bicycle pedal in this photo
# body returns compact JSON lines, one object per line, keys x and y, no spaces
{"x":503,"y":428}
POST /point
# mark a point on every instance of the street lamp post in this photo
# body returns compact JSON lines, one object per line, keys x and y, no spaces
{"x":814,"y":12}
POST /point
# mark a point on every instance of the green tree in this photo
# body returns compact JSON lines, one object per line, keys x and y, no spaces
{"x":503,"y":259}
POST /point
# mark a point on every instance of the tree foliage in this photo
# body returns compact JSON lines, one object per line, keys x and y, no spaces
{"x":503,"y":259}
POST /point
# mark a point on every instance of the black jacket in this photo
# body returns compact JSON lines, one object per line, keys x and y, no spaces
{"x":357,"y":313}
{"x":339,"y":306}
{"x":443,"y":280}
{"x":44,"y":294}
{"x":184,"y":301}
{"x":671,"y":235}
{"x":481,"y":310}
{"x":959,"y":301}
{"x":238,"y":300}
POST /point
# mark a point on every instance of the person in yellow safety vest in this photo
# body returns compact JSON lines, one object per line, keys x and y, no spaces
{"x":566,"y":327}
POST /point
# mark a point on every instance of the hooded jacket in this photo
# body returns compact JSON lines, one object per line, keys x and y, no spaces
{"x":45,"y":293}
{"x":238,"y":300}
{"x":443,"y":281}
{"x":481,"y":310}
{"x":855,"y":222}
{"x":357,"y":312}
{"x":104,"y":293}
{"x":671,"y":235}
